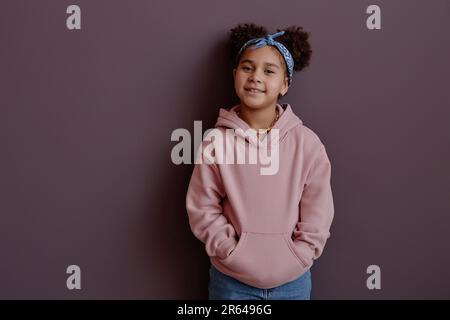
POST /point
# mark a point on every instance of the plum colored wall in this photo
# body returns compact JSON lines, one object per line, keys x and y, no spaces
{"x":86,"y":176}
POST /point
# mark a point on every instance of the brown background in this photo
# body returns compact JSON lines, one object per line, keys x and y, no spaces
{"x":86,"y":116}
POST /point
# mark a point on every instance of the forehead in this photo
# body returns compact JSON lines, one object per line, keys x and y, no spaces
{"x":263,"y":55}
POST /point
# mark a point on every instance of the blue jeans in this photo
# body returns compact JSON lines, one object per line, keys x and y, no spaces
{"x":223,"y":287}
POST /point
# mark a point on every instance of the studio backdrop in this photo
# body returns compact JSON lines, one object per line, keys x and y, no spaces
{"x":92,"y":205}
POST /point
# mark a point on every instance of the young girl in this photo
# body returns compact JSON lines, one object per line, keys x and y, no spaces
{"x":263,"y":232}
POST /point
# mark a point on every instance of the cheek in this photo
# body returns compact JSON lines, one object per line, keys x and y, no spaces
{"x":240,"y":79}
{"x":238,"y":84}
{"x":275,"y":85}
{"x":272,"y":87}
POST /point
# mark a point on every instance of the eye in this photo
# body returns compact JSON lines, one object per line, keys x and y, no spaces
{"x":245,"y":68}
{"x":270,"y":71}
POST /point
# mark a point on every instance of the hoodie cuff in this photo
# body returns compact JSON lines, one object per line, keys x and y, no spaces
{"x":226,"y":247}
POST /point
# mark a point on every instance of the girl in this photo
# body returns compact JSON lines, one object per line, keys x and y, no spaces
{"x":263,"y":232}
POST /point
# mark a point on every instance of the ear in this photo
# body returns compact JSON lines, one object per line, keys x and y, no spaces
{"x":285,"y":87}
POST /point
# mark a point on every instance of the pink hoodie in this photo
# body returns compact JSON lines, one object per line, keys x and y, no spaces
{"x":264,"y":230}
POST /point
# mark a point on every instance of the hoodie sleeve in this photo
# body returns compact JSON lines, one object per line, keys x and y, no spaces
{"x":204,"y":208}
{"x":316,"y":210}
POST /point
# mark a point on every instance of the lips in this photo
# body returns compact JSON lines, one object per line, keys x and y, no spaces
{"x":253,"y":90}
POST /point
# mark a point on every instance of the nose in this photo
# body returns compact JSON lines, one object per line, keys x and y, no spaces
{"x":255,"y":77}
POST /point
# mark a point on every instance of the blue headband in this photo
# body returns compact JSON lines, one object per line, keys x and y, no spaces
{"x":268,"y":40}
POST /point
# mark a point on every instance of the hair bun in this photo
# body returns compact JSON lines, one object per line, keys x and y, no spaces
{"x":241,"y":34}
{"x":295,"y":39}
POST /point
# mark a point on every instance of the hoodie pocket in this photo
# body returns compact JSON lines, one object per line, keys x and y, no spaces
{"x":291,"y":245}
{"x":238,"y":246}
{"x":265,"y":260}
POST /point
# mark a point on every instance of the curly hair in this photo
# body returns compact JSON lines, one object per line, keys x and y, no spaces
{"x":295,"y":39}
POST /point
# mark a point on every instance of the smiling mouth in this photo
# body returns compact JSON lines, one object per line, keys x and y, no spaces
{"x":254,"y":91}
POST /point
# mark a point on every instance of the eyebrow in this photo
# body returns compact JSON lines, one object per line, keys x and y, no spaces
{"x":267,"y":63}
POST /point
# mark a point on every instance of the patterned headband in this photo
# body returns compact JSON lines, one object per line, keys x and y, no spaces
{"x":268,"y":40}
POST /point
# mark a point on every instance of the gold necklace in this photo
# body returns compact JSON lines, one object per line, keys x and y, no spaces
{"x":273,"y":122}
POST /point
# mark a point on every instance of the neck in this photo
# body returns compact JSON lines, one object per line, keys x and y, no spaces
{"x":258,"y":118}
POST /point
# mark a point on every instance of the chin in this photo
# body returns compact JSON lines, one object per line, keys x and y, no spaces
{"x":252,"y":104}
{"x":261,"y":102}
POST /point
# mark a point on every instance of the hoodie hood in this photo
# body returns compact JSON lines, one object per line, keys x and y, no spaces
{"x":229,"y":119}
